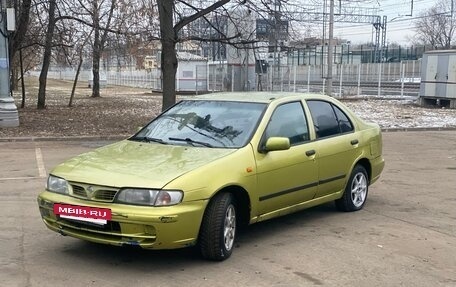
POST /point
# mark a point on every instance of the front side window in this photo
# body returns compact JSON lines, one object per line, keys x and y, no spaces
{"x":288,"y":120}
{"x":205,"y":123}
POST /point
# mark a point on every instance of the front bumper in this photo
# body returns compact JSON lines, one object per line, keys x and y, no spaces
{"x":148,"y":227}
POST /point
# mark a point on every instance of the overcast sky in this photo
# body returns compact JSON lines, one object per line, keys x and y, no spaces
{"x":399,"y":26}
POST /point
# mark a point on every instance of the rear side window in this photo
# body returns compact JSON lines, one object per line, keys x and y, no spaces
{"x":328,"y":119}
{"x":344,"y":123}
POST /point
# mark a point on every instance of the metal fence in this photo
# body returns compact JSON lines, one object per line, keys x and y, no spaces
{"x":348,"y":79}
{"x":134,"y":78}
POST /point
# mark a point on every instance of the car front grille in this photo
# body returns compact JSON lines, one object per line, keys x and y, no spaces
{"x":79,"y":191}
{"x":93,"y":192}
{"x":107,"y":195}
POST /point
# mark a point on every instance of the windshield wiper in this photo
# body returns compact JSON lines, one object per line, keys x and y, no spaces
{"x":149,"y":139}
{"x":191,"y":142}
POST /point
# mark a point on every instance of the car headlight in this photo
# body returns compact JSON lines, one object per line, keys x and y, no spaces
{"x":150,"y":197}
{"x":57,"y":185}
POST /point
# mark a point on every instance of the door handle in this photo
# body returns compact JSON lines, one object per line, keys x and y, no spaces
{"x":354,"y":142}
{"x":310,"y":152}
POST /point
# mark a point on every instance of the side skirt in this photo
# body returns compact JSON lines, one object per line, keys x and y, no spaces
{"x":297,"y":207}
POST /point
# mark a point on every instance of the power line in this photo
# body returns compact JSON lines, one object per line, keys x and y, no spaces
{"x":421,"y":17}
{"x":395,"y":23}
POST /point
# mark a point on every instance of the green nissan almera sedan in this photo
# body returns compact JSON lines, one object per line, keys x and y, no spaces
{"x":211,"y":163}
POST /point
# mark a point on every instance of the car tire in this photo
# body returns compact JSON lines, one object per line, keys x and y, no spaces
{"x":218,"y":229}
{"x":355,"y":194}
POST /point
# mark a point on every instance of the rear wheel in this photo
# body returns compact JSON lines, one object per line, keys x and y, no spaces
{"x":355,"y":194}
{"x":218,"y":229}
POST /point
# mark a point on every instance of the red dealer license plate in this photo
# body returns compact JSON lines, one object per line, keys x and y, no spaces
{"x":83,"y":213}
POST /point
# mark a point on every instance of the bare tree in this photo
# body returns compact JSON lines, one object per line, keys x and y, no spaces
{"x":22,"y":21}
{"x":172,"y":21}
{"x":100,"y":37}
{"x":68,"y":22}
{"x":137,"y":23}
{"x":55,"y":37}
{"x":47,"y":55}
{"x":25,"y":54}
{"x":17,"y":37}
{"x":169,"y":38}
{"x":79,"y":57}
{"x":436,"y":26}
{"x":109,"y":19}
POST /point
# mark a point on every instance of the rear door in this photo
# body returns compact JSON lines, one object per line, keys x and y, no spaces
{"x":337,"y":145}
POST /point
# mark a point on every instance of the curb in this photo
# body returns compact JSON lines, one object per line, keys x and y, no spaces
{"x":121,"y":137}
{"x":430,"y":129}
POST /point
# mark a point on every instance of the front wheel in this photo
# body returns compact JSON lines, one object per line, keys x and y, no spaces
{"x":355,"y":194}
{"x":218,"y":229}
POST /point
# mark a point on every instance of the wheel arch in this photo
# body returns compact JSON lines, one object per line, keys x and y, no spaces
{"x":243,"y":202}
{"x":364,"y":162}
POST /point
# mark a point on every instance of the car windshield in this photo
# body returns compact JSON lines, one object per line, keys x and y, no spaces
{"x":204,"y":123}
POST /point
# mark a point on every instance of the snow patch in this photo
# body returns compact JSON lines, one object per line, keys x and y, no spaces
{"x":402,"y":113}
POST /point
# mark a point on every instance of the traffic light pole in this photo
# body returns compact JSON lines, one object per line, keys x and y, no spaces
{"x":8,"y":110}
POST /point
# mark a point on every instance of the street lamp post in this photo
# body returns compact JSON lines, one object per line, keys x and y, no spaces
{"x":8,"y":110}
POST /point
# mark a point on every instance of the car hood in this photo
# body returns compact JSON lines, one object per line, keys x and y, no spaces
{"x":135,"y":164}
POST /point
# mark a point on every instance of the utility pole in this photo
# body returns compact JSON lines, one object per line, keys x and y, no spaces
{"x":452,"y":8}
{"x":8,"y":110}
{"x":451,"y":22}
{"x":330,"y":48}
{"x":276,"y":39}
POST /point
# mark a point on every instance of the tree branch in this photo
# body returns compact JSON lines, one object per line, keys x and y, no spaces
{"x":186,"y":20}
{"x":67,"y":17}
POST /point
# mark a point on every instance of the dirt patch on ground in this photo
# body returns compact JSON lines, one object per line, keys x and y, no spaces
{"x":119,"y":111}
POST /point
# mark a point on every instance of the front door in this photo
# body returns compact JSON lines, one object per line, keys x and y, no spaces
{"x":290,"y":176}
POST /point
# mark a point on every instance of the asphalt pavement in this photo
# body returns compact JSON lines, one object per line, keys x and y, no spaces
{"x":404,"y":236}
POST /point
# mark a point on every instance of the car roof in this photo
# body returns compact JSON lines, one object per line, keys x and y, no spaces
{"x":258,"y":97}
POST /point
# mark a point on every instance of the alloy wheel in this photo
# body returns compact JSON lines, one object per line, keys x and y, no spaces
{"x":229,"y":227}
{"x":359,"y":189}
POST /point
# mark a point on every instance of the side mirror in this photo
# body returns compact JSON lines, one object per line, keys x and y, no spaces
{"x":276,"y":143}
